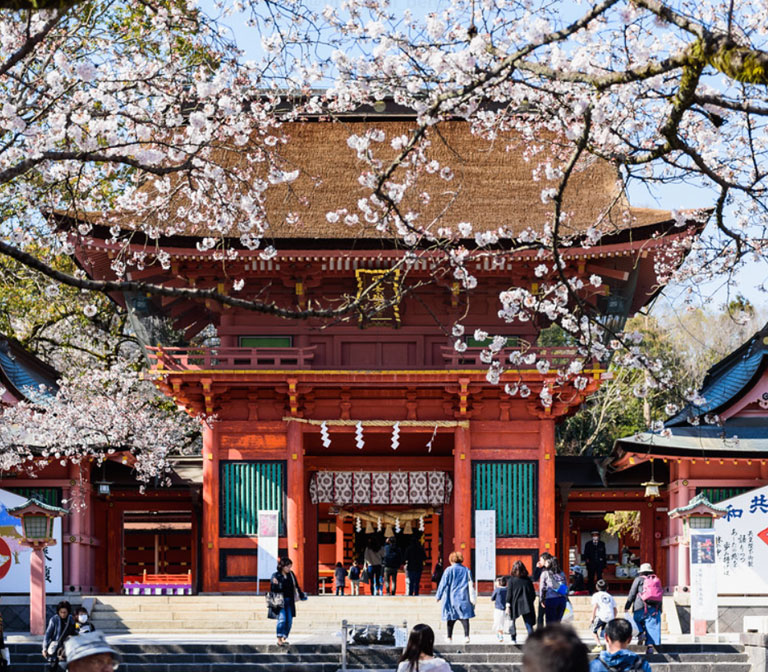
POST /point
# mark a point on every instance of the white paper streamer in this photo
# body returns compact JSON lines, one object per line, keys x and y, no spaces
{"x":432,"y":440}
{"x":324,"y":436}
{"x":395,"y":436}
{"x":359,"y":436}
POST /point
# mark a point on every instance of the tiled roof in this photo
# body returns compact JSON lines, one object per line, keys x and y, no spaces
{"x":23,"y":375}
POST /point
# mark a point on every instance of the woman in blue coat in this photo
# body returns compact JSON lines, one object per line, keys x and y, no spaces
{"x":457,"y":592}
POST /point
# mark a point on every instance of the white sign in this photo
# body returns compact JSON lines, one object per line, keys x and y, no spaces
{"x":742,"y":544}
{"x":485,"y":545}
{"x":14,"y":558}
{"x":703,"y":576}
{"x":268,"y":529}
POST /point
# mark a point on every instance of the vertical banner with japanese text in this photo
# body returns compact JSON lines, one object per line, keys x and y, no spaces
{"x":742,"y":544}
{"x":485,"y":545}
{"x":268,"y":529}
{"x":703,"y":576}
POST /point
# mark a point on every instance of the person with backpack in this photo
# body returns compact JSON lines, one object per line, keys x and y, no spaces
{"x":553,"y":591}
{"x":617,"y":657}
{"x":392,"y":561}
{"x":644,"y":602}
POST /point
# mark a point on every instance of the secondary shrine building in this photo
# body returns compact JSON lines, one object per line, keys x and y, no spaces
{"x":305,"y":410}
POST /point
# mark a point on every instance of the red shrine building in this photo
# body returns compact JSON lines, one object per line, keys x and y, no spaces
{"x":355,"y":425}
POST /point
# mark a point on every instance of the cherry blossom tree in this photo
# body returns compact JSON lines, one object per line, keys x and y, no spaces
{"x":144,"y":112}
{"x":97,"y":415}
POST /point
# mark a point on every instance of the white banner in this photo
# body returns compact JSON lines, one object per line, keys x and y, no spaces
{"x":703,"y":576}
{"x":742,"y":544}
{"x":14,"y":558}
{"x":268,"y":529}
{"x":485,"y":545}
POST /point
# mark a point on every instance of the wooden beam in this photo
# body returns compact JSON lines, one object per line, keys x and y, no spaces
{"x":604,"y":272}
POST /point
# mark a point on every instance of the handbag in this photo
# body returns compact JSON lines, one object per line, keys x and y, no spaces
{"x":364,"y":575}
{"x":472,"y":591}
{"x":275,"y":601}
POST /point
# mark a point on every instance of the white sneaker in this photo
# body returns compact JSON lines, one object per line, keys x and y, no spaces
{"x":449,"y":640}
{"x":466,"y":640}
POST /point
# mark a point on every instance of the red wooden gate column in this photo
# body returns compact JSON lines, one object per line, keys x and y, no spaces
{"x":296,"y":496}
{"x":210,"y":559}
{"x":547,"y":522}
{"x":462,"y":493}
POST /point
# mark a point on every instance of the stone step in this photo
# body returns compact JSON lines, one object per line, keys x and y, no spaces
{"x":170,"y":657}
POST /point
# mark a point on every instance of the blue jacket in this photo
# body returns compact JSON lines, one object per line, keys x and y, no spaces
{"x":58,"y":630}
{"x":621,"y":661}
{"x":454,"y":591}
{"x":499,"y":598}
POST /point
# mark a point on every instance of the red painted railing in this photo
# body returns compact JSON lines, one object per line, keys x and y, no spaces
{"x":556,"y":356}
{"x":183,"y":359}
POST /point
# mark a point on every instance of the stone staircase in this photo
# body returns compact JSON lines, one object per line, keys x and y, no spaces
{"x":246,"y":614}
{"x":170,"y":657}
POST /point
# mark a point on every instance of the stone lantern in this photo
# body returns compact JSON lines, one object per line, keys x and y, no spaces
{"x":37,"y":532}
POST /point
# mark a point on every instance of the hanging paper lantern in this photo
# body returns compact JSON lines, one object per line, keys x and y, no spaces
{"x":359,"y":436}
{"x":368,"y":527}
{"x":396,"y":436}
{"x":324,"y":436}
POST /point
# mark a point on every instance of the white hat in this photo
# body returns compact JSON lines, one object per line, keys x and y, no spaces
{"x":646,"y":567}
{"x":87,"y":644}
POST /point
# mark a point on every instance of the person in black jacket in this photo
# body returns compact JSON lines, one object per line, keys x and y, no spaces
{"x":61,"y":627}
{"x":594,"y":556}
{"x":392,"y":562}
{"x":520,"y":596}
{"x":414,"y":564}
{"x":284,"y":583}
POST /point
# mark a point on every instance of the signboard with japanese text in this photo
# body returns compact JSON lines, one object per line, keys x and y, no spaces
{"x":268,"y":531}
{"x":485,"y":545}
{"x":703,"y":576}
{"x":14,"y":558}
{"x":742,"y":544}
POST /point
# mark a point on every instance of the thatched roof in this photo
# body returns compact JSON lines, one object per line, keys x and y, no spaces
{"x":493,"y":184}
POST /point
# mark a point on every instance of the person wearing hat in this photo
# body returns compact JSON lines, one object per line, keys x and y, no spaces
{"x":594,"y":556}
{"x":90,"y":652}
{"x":644,"y":602}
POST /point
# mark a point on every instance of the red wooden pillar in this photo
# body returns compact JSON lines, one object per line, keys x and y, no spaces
{"x":547,"y":520}
{"x":462,"y":493}
{"x":340,"y":539}
{"x":210,"y":564}
{"x":295,"y":508}
{"x":647,"y":529}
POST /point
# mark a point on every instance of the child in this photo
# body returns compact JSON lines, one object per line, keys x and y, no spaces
{"x":499,"y":599}
{"x":339,"y":578}
{"x":82,"y":621}
{"x":603,"y":611}
{"x":354,"y":578}
{"x":618,"y":636}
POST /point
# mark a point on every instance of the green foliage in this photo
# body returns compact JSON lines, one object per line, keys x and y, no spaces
{"x":631,"y":400}
{"x":624,"y":524}
{"x":50,"y":319}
